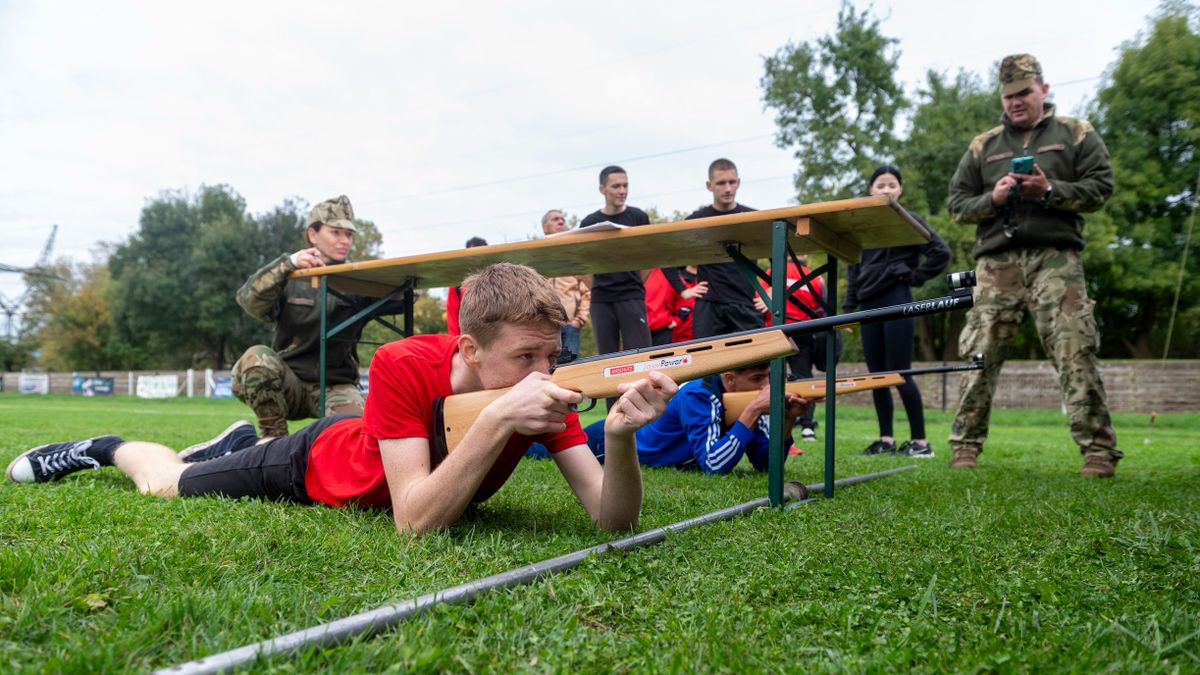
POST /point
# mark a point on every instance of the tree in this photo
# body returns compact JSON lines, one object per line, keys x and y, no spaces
{"x":150,"y":290}
{"x":948,"y":114}
{"x":368,"y":241}
{"x":16,"y":355}
{"x":281,"y":230}
{"x":174,"y":279}
{"x":836,"y":104}
{"x":1148,"y":113}
{"x":71,"y":321}
{"x":221,"y":263}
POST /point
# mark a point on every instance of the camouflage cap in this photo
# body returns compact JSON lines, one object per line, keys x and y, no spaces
{"x":1017,"y":72}
{"x":335,"y":212}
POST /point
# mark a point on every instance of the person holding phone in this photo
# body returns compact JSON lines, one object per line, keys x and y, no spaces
{"x":1026,"y":185}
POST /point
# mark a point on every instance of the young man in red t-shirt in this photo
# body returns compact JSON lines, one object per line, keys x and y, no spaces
{"x":511,"y":320}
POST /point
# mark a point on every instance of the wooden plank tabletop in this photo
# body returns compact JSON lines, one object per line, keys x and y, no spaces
{"x":843,"y":228}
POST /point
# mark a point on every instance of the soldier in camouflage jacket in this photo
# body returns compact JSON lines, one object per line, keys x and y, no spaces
{"x":1027,"y":249}
{"x":281,"y":382}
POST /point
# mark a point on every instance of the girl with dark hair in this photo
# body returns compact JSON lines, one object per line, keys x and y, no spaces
{"x":886,"y":277}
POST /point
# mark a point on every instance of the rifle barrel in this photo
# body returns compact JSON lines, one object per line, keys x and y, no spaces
{"x":960,"y":299}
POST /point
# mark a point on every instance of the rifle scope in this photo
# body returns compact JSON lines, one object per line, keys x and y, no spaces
{"x":961,"y":280}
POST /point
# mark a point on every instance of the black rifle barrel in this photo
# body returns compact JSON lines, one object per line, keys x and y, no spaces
{"x":975,"y":364}
{"x":375,"y":621}
{"x":961,"y":298}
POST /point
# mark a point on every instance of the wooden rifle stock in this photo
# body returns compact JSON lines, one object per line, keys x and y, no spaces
{"x":598,"y":377}
{"x":813,"y":390}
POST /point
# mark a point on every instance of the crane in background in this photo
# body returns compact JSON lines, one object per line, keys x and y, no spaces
{"x":11,"y":307}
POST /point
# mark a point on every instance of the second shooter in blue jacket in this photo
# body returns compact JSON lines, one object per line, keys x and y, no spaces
{"x":692,"y":435}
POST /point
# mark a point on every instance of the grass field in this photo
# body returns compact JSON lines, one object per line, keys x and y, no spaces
{"x":1021,"y":565}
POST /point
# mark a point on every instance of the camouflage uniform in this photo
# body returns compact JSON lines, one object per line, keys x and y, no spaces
{"x":281,"y":382}
{"x":1034,"y":266}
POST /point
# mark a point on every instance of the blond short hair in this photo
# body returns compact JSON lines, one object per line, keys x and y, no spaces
{"x":503,"y":294}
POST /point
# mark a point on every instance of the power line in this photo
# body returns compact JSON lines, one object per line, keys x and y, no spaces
{"x":538,"y":213}
{"x":556,"y":172}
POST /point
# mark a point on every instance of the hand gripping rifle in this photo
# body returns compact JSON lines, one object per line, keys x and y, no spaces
{"x":814,"y":389}
{"x":599,"y":376}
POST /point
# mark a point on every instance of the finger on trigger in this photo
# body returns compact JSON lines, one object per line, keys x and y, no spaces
{"x":562,"y":394}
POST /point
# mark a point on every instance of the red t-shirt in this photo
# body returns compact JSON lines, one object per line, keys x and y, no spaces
{"x":344,"y":464}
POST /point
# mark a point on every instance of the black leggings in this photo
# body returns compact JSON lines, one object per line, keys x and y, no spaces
{"x":889,"y":346}
{"x":800,"y":367}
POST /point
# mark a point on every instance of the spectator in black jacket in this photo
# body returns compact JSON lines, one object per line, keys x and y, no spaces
{"x":886,"y":277}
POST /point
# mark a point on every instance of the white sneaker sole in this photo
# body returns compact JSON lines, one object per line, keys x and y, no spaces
{"x":191,"y":450}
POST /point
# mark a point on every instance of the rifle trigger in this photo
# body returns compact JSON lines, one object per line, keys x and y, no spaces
{"x":591,"y":404}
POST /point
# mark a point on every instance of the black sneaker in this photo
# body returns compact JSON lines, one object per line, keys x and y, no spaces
{"x":51,"y":462}
{"x":237,"y":436}
{"x":913,"y":449}
{"x":880,"y":448}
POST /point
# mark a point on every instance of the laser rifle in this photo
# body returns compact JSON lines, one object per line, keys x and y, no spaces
{"x":814,"y":389}
{"x":599,"y":376}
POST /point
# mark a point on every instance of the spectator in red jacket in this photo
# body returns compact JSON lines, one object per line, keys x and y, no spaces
{"x":664,"y":305}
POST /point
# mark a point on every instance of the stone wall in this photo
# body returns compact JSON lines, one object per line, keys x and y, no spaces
{"x":1132,"y":386}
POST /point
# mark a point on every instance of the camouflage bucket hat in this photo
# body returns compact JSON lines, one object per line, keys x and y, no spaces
{"x":335,"y":212}
{"x":1018,"y":72}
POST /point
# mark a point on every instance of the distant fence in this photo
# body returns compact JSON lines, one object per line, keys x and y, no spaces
{"x":150,"y":383}
{"x":1132,"y":386}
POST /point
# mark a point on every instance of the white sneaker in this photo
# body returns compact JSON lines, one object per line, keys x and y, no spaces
{"x":807,"y":434}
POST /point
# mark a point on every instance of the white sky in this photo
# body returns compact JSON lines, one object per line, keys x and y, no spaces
{"x":441,"y":121}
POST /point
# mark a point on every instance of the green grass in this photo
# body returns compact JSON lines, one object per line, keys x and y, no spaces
{"x":1022,"y":565}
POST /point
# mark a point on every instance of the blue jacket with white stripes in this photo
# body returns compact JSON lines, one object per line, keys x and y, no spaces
{"x":691,"y":433}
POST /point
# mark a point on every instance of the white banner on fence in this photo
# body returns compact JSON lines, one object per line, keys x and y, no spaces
{"x":34,"y":383}
{"x":157,"y":386}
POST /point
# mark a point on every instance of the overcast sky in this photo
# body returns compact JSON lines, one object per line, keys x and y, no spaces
{"x":441,"y":121}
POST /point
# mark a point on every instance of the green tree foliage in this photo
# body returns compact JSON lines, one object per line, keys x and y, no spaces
{"x":368,"y":241}
{"x":947,"y":115}
{"x":174,"y":279}
{"x":16,"y":355}
{"x":1148,"y":113}
{"x":281,"y":230}
{"x":836,"y":102}
{"x":222,"y":261}
{"x":70,"y":320}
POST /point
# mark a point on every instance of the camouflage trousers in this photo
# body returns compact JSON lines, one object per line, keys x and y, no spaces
{"x":264,"y":382}
{"x":1047,"y":283}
